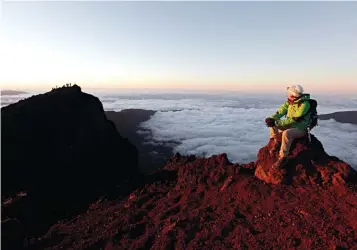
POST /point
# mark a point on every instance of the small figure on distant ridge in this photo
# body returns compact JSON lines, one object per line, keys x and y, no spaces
{"x":301,"y":117}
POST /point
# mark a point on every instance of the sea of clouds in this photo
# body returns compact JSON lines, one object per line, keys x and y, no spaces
{"x":8,"y":99}
{"x":205,"y":124}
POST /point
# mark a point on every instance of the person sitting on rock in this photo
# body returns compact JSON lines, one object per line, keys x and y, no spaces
{"x":294,"y":126}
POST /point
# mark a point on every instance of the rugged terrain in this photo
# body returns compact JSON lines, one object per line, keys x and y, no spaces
{"x":71,"y":181}
{"x":196,"y":203}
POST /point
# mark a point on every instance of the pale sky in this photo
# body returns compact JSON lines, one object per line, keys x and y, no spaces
{"x":256,"y":46}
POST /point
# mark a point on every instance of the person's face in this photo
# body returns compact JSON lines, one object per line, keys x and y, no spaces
{"x":291,"y":97}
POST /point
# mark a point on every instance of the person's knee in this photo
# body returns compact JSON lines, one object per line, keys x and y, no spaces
{"x":273,"y":132}
{"x":293,"y":133}
{"x":286,"y":134}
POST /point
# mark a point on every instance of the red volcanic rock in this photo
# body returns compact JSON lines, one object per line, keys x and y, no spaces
{"x":308,"y":164}
{"x":215,"y":204}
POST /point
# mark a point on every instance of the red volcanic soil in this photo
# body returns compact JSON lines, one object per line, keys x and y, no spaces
{"x":196,"y":203}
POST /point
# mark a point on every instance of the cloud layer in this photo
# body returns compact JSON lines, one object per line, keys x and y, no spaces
{"x":207,"y":124}
{"x":239,"y":132}
{"x":177,"y":101}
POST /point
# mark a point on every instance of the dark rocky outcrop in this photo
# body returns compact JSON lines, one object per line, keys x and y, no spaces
{"x":13,"y":234}
{"x":60,"y":149}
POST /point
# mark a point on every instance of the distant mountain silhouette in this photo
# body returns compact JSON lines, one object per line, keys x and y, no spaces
{"x":342,"y":116}
{"x":12,"y":92}
{"x":151,"y":157}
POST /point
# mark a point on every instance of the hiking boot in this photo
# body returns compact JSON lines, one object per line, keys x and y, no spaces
{"x":275,"y":148}
{"x":281,"y":162}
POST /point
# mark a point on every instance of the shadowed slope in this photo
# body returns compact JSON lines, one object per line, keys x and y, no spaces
{"x":60,"y":149}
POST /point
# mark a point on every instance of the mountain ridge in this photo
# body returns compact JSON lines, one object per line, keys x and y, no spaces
{"x":341,"y":116}
{"x":102,"y":202}
{"x":61,"y":153}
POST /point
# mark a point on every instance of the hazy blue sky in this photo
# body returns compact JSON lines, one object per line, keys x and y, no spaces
{"x":208,"y":45}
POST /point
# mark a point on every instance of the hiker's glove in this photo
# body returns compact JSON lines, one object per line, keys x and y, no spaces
{"x":270,"y":122}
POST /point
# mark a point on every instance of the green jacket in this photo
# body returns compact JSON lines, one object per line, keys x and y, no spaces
{"x":295,"y":114}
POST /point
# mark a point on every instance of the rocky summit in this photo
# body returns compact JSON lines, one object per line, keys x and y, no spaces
{"x":59,"y":153}
{"x":70,"y":182}
{"x":308,"y":164}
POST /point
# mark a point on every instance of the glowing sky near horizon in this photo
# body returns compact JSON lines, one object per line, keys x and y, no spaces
{"x":194,"y":45}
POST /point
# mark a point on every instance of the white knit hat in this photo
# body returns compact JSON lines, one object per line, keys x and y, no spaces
{"x":295,"y":90}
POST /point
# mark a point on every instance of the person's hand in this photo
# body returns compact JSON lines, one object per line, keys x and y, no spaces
{"x":270,"y":122}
